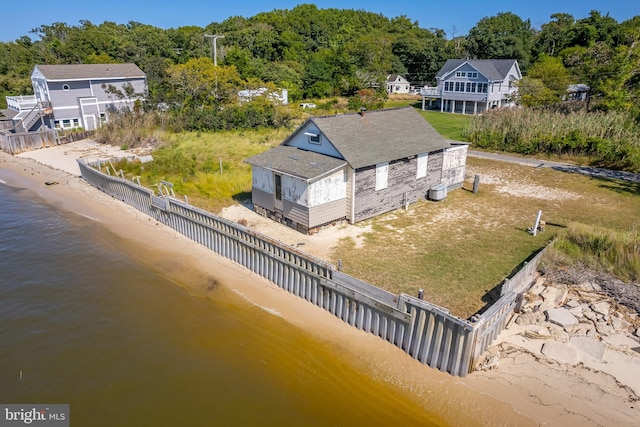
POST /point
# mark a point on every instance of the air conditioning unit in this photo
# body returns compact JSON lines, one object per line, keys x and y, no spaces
{"x":439,"y":192}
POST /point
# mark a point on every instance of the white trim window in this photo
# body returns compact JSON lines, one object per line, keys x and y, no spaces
{"x":382,"y":175}
{"x":313,"y":138}
{"x":422,"y":166}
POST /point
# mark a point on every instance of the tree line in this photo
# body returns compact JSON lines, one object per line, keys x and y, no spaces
{"x":320,"y":53}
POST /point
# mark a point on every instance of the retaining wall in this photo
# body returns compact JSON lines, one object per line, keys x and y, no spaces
{"x":426,"y":332}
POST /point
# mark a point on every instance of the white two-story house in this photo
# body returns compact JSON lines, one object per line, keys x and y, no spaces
{"x":472,"y":86}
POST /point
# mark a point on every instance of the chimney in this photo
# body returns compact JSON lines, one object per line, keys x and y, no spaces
{"x":362,"y":110}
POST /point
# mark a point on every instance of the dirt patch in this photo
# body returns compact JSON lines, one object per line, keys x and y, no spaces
{"x":508,"y":183}
{"x":319,"y":244}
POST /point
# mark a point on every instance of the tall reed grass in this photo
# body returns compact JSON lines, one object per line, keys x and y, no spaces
{"x":603,"y":249}
{"x":128,"y":129}
{"x":611,"y":138}
{"x":209,"y":167}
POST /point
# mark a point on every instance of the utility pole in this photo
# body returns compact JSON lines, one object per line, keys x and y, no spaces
{"x":214,"y":47}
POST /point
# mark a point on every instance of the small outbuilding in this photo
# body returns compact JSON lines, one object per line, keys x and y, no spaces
{"x":352,"y":167}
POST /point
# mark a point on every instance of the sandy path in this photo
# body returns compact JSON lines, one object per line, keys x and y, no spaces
{"x":524,"y":389}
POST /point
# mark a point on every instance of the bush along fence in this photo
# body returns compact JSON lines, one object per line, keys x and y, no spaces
{"x":426,"y":332}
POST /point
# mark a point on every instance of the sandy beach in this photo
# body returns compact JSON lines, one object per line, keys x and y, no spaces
{"x":523,"y":386}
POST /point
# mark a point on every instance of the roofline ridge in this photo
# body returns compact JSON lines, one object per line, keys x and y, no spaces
{"x":351,"y":113}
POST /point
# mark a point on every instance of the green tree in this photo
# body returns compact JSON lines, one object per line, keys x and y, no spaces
{"x":593,"y":29}
{"x":533,"y":92}
{"x":421,"y":52}
{"x":504,"y":36}
{"x":552,"y":73}
{"x":200,"y":84}
{"x":554,"y":35}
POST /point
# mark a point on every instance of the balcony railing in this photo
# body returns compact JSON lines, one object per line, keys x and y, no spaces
{"x":430,"y":92}
{"x":22,"y":102}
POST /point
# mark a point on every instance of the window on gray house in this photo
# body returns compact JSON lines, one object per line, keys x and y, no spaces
{"x":382,"y":175}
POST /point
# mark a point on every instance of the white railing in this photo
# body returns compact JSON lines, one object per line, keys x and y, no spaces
{"x":431,"y":92}
{"x":22,"y":102}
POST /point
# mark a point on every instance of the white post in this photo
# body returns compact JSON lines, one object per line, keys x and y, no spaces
{"x":535,"y":227}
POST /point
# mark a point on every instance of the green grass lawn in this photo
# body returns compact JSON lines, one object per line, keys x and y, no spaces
{"x":460,"y":248}
{"x":449,"y":125}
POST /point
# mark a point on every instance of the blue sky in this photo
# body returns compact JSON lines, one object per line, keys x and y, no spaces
{"x":447,"y":15}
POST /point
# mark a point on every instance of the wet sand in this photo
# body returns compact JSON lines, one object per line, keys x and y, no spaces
{"x":525,"y":389}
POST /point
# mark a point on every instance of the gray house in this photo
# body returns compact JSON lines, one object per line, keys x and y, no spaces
{"x":80,"y":95}
{"x":472,"y":86}
{"x":352,"y":167}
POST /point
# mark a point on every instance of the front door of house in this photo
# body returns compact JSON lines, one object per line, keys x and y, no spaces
{"x":90,"y":111}
{"x":89,"y":122}
{"x":277,"y":193}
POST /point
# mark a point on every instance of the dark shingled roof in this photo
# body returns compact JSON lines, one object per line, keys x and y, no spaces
{"x":296,"y":162}
{"x":379,"y":136}
{"x":90,"y":71}
{"x":492,"y":69}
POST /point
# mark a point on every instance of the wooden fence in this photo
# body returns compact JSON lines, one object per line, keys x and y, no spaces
{"x":425,"y":331}
{"x":16,"y":143}
{"x":20,"y":142}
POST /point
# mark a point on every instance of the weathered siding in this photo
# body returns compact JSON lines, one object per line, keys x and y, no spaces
{"x":262,"y":179}
{"x":295,"y":190}
{"x":454,"y":165}
{"x":301,"y":140}
{"x":328,"y":189}
{"x":309,"y":205}
{"x":403,"y":186}
{"x":434,"y":168}
{"x":351,"y":174}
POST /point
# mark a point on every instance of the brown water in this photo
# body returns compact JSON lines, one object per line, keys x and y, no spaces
{"x":82,"y":323}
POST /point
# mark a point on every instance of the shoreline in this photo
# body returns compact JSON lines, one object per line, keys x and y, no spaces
{"x":523,"y":390}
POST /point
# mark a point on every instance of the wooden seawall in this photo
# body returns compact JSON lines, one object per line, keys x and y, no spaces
{"x":426,"y":332}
